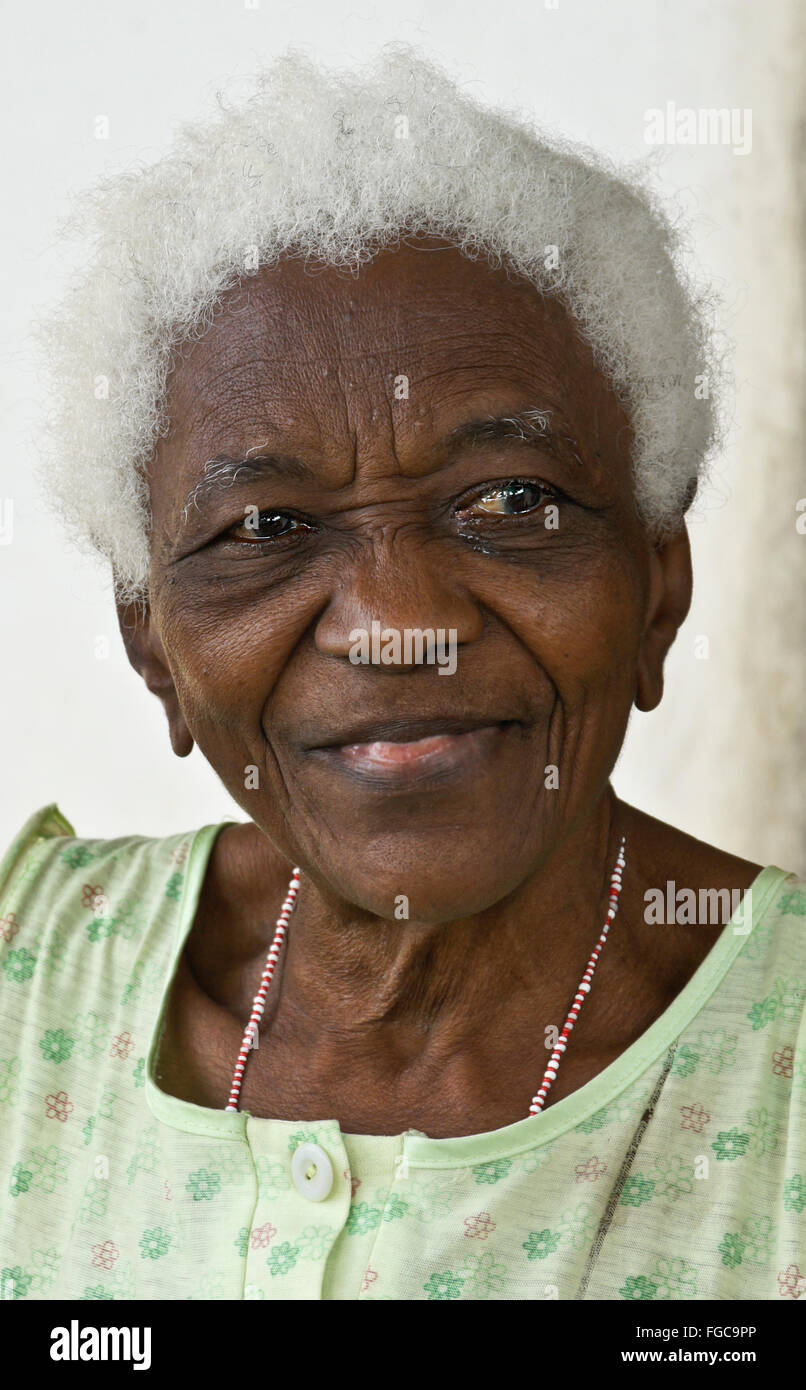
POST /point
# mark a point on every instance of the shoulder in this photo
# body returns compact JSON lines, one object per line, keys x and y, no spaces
{"x":768,"y":900}
{"x":44,"y":825}
{"x":46,"y":856}
{"x":663,"y":853}
{"x":773,"y":954}
{"x":676,"y":881}
{"x":62,"y":895}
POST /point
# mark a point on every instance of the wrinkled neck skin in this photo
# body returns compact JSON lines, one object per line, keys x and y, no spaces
{"x":345,"y":972}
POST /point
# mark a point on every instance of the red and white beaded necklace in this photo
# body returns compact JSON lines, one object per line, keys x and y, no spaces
{"x":539,"y":1099}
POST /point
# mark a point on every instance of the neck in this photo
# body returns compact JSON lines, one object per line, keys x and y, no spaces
{"x":348,"y":974}
{"x":386,"y":1024}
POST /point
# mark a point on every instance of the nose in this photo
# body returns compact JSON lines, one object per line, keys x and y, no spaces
{"x":391,"y":594}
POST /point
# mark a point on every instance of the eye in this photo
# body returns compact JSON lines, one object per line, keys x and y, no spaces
{"x":266,"y":526}
{"x":512,"y":497}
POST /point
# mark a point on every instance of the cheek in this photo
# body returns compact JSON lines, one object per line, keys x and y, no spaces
{"x":226,"y":660}
{"x":580,"y":618}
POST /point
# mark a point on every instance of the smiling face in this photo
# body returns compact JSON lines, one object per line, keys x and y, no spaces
{"x":397,"y":477}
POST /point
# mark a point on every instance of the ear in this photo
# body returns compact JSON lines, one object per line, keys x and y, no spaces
{"x":146,"y":654}
{"x":668,"y":603}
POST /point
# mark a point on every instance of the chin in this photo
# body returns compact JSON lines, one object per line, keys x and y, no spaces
{"x":416,"y":882}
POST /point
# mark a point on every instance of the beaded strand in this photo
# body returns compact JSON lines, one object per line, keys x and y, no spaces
{"x":584,"y":985}
{"x":538,"y":1101}
{"x":259,"y":1001}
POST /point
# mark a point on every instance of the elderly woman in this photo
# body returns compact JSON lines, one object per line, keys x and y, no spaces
{"x":386,"y":413}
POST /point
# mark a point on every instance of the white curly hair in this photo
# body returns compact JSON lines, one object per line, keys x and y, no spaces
{"x":336,"y":165}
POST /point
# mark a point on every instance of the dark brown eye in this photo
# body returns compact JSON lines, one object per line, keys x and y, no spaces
{"x":266,"y":526}
{"x":514,"y":497}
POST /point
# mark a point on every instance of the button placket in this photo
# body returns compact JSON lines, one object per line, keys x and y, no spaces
{"x":302,"y":1206}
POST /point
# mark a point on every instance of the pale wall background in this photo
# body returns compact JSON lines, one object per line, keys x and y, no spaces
{"x":725,"y":756}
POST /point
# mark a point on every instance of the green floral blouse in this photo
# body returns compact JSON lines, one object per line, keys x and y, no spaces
{"x":679,"y":1172}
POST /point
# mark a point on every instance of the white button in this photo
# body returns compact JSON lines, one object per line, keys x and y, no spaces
{"x":312,"y":1172}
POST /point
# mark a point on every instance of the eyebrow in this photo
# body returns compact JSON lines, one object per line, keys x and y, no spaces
{"x":221,"y":472}
{"x":531,"y":426}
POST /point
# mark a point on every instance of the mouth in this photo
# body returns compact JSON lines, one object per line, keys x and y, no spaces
{"x":400,"y":752}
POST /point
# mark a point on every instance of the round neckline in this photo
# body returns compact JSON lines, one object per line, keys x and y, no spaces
{"x":530,"y":1133}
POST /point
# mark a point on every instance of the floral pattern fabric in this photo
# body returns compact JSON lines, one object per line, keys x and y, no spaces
{"x":679,"y":1172}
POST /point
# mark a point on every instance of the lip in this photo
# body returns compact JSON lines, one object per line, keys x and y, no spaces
{"x":447,"y":749}
{"x":402,"y":731}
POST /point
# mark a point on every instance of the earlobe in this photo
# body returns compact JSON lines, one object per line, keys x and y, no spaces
{"x":667,"y":606}
{"x":146,"y":654}
{"x":648,"y":691}
{"x":181,"y":737}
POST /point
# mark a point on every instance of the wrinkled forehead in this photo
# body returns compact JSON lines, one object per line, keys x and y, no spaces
{"x":319,"y":361}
